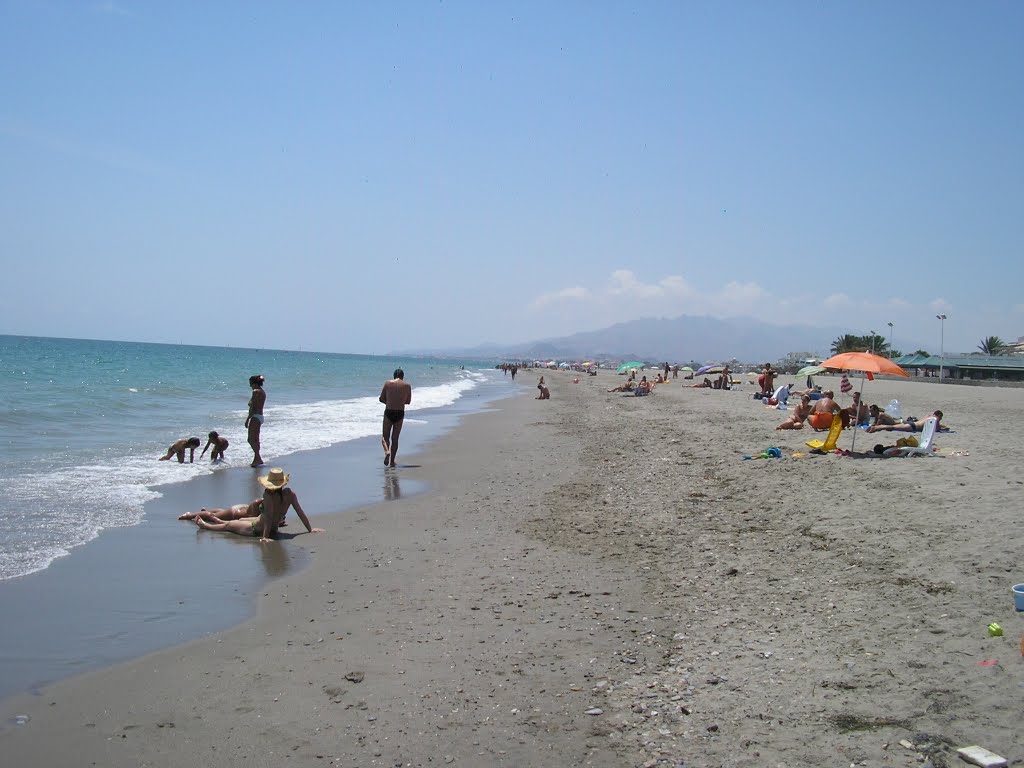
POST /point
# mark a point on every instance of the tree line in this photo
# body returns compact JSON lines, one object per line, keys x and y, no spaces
{"x":991,"y":345}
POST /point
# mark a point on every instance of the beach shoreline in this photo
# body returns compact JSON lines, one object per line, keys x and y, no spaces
{"x":601,"y":579}
{"x":136,"y":589}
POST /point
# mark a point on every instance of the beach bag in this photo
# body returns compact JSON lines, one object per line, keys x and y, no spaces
{"x":907,"y":442}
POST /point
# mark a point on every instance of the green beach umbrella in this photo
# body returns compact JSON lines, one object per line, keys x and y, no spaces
{"x":687,"y":369}
{"x":811,"y":370}
{"x":626,"y":366}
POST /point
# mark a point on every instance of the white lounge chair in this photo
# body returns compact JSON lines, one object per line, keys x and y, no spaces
{"x":924,"y":446}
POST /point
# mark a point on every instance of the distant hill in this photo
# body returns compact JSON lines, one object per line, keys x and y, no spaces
{"x":655,"y":339}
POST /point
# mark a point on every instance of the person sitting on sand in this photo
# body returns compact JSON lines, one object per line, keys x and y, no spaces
{"x":706,"y":384}
{"x":544,"y":394}
{"x":827,"y":403}
{"x":220,"y":444}
{"x":878,"y":416}
{"x":857,"y":413}
{"x":277,"y":498}
{"x":725,"y":379}
{"x":799,"y":416}
{"x":910,"y":425}
{"x":645,"y":386}
{"x":627,"y":387}
{"x":178,"y":449}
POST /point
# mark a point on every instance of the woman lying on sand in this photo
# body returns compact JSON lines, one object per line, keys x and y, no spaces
{"x":800,"y":414}
{"x":274,"y":505}
{"x":235,"y":512}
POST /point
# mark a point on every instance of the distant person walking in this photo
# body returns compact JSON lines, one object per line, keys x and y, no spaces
{"x":396,"y":394}
{"x":254,"y":421}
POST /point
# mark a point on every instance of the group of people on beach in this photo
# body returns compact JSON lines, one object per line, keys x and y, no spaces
{"x":253,"y":426}
{"x":263,"y":517}
{"x":818,"y":408}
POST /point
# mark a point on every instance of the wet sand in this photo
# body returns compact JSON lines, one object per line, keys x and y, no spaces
{"x":600,"y":579}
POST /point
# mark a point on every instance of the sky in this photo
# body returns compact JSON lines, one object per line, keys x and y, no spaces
{"x":365,"y":177}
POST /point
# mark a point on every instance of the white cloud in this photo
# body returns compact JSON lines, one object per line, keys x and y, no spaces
{"x":576,"y":293}
{"x":624,"y":283}
{"x":837,"y":301}
{"x":940,"y":305}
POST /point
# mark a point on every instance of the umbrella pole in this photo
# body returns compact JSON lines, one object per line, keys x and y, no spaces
{"x":856,"y":416}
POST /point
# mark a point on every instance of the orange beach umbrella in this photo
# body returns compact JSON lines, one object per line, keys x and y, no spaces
{"x":866,"y":363}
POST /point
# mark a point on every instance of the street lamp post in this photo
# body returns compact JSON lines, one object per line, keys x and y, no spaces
{"x":872,"y":342}
{"x":942,"y":342}
{"x":890,"y":339}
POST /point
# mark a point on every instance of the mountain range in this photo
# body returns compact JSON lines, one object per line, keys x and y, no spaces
{"x":683,"y":338}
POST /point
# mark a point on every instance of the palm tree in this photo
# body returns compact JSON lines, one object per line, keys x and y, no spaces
{"x":848,"y":343}
{"x":923,"y":352}
{"x":992,"y":345}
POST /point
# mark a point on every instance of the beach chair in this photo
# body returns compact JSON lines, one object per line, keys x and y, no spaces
{"x":834,"y":432}
{"x":924,"y":446}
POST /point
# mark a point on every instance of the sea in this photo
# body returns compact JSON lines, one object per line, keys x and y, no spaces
{"x":83,"y":424}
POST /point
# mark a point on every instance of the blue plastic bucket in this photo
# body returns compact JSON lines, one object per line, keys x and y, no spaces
{"x":1018,"y":596}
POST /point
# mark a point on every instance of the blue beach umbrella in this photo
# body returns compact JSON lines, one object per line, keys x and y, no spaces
{"x":714,"y":368}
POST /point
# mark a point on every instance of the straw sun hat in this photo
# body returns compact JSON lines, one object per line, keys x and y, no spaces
{"x":276,"y":480}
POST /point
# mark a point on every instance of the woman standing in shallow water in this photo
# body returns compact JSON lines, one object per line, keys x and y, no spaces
{"x":254,"y":421}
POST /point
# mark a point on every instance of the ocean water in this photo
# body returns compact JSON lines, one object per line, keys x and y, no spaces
{"x":83,"y":423}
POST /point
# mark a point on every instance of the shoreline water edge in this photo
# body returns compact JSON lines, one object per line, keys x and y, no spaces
{"x":601,"y":579}
{"x":144,"y":580}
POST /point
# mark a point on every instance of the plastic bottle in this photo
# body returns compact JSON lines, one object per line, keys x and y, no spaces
{"x":894,"y":409}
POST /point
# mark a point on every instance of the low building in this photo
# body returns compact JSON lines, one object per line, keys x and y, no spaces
{"x":966,"y":367}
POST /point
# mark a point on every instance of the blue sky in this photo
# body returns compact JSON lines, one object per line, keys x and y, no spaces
{"x":365,"y":177}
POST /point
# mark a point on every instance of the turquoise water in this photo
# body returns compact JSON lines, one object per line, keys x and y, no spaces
{"x":82,"y":423}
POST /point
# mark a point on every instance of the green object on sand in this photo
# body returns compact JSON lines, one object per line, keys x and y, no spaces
{"x":626,"y":366}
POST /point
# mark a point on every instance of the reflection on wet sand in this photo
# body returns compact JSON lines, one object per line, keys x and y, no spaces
{"x":274,"y":558}
{"x":392,"y":491}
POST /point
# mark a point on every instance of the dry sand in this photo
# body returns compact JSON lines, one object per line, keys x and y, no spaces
{"x":600,"y":579}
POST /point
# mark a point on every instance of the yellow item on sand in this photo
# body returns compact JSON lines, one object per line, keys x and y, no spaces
{"x":833,"y":436}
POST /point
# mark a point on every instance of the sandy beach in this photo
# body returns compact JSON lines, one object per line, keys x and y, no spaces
{"x":602,"y":580}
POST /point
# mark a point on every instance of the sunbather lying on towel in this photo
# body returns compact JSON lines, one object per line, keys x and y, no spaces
{"x":910,"y":425}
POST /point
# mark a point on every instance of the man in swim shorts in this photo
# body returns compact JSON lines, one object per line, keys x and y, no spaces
{"x":910,"y":425}
{"x":396,"y":394}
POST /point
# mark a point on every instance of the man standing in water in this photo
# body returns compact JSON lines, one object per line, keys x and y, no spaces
{"x":395,"y":395}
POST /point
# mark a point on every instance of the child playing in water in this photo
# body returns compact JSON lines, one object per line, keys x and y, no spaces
{"x":220,"y":444}
{"x":178,"y":449}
